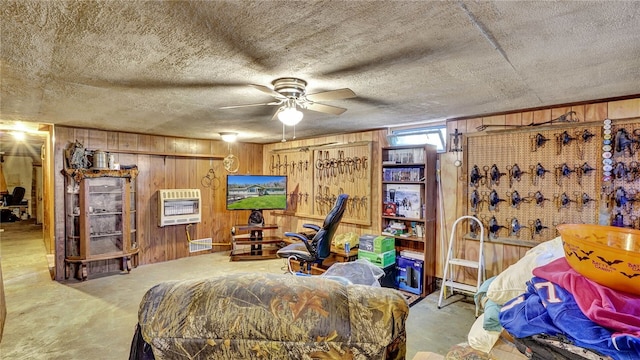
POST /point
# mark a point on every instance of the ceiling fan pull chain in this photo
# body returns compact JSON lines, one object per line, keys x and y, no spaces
{"x":283,"y":139}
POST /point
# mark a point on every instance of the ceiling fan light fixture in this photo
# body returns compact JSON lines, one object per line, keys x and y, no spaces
{"x":229,"y":136}
{"x":290,"y":116}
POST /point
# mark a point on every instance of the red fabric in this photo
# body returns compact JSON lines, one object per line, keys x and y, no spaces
{"x":606,"y":307}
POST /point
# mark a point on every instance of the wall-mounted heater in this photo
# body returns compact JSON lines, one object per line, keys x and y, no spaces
{"x":178,"y":206}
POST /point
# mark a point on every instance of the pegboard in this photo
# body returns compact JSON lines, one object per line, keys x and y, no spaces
{"x":316,"y":178}
{"x":522,"y":184}
{"x":620,"y":179}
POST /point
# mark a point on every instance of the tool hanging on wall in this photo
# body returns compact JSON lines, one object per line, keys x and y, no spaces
{"x":584,"y":137}
{"x":582,"y":170}
{"x":456,"y":146}
{"x":475,"y":177}
{"x":515,"y":227}
{"x":494,"y":227}
{"x":564,"y":118}
{"x":537,"y":141}
{"x":583,"y":199}
{"x":515,"y":199}
{"x":562,"y":171}
{"x":536,"y":227}
{"x":537,"y":172}
{"x":539,"y":198}
{"x":494,"y":200}
{"x":562,"y":201}
{"x":622,"y":142}
{"x":494,"y":175}
{"x":514,"y":173}
{"x":563,"y":139}
{"x":476,"y":201}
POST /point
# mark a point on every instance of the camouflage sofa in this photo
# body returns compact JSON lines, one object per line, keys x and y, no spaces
{"x":270,"y":316}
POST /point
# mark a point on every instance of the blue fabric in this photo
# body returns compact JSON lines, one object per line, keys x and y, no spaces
{"x":547,"y":308}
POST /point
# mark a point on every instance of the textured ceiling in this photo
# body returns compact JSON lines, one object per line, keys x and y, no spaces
{"x":165,"y":68}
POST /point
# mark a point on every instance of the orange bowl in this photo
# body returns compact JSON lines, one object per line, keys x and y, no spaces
{"x":608,"y":255}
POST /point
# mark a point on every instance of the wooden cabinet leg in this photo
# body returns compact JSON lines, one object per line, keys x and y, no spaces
{"x":128,"y":263}
{"x":67,"y":270}
{"x":85,"y":273}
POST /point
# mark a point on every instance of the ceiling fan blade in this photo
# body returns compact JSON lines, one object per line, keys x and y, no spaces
{"x":249,"y":105}
{"x":275,"y":115}
{"x":332,"y":95}
{"x":267,"y":91}
{"x":328,"y":109}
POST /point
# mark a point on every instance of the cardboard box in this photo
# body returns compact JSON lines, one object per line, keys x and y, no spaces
{"x":380,"y":260}
{"x":377,"y":244}
{"x":406,"y":197}
{"x":409,"y":274}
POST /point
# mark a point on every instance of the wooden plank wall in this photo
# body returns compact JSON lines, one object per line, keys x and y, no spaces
{"x":160,"y":172}
{"x":156,"y":172}
{"x":455,"y":180}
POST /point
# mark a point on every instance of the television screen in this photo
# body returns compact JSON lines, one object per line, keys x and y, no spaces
{"x":256,"y":192}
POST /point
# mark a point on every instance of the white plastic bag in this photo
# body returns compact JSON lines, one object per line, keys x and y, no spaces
{"x":360,"y":272}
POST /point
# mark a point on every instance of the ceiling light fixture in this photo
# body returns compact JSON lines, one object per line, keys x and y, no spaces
{"x":289,"y":114}
{"x":229,"y":136}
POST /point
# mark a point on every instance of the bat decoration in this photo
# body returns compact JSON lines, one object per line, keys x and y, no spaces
{"x":630,"y":276}
{"x":581,"y":258}
{"x":610,"y":263}
{"x":586,"y":252}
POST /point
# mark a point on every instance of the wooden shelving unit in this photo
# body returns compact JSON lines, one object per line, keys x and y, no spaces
{"x":409,"y":203}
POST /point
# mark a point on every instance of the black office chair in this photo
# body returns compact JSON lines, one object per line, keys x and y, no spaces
{"x":313,"y":250}
{"x":15,"y":198}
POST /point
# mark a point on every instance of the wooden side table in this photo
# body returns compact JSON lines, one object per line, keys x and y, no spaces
{"x":252,"y":244}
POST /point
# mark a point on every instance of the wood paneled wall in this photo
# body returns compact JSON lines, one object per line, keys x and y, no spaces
{"x":499,"y":256}
{"x":163,"y":162}
{"x":160,"y":169}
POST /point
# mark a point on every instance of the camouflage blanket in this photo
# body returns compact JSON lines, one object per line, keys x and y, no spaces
{"x":272,"y":316}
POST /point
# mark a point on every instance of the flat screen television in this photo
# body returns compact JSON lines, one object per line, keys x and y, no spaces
{"x":256,"y":193}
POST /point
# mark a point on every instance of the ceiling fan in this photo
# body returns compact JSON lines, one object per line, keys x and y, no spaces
{"x":290,"y":94}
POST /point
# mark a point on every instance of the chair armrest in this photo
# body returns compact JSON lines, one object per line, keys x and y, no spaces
{"x":310,"y":247}
{"x":298,"y":236}
{"x":311,"y":226}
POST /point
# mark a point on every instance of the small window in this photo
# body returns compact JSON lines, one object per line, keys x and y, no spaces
{"x":434,"y":135}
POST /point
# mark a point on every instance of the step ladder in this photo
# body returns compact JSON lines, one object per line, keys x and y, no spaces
{"x":448,"y":280}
